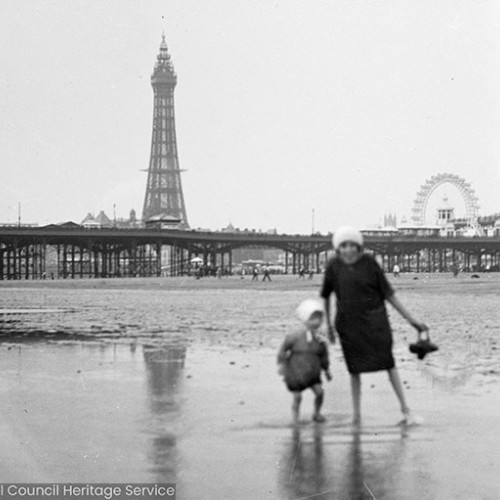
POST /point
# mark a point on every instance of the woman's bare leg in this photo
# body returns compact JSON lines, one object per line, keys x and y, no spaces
{"x":356,"y":397}
{"x":398,"y":389}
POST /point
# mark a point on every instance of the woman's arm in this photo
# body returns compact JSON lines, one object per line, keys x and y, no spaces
{"x":326,"y":291}
{"x":325,"y":361}
{"x":331,"y":331}
{"x":394,"y":301}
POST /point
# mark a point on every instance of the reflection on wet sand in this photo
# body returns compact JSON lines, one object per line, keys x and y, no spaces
{"x":303,"y":470}
{"x":103,"y":395}
{"x":164,"y":367}
{"x":322,"y":463}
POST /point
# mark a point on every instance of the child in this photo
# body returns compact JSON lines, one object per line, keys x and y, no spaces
{"x":303,"y":356}
{"x":362,"y":289}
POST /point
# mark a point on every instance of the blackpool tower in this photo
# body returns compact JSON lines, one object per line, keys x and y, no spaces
{"x":164,"y":200}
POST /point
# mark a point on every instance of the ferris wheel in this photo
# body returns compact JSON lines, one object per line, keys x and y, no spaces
{"x":428,"y":188}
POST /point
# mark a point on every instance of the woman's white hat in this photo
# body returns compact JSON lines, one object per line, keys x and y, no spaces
{"x":307,"y":308}
{"x":346,"y":233}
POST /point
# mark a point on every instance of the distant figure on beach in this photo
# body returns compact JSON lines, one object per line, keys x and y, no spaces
{"x":396,"y":271}
{"x":455,"y":269}
{"x":267,"y":274}
{"x":303,"y":356}
{"x":361,"y":322}
{"x":302,"y":273}
{"x":255,"y":274}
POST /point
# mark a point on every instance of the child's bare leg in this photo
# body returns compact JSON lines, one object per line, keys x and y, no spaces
{"x":356,"y":397}
{"x":318,"y":402}
{"x":297,"y":399}
{"x":398,"y":389}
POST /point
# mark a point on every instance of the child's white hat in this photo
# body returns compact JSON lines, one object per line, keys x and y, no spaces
{"x":346,"y":233}
{"x":307,"y":308}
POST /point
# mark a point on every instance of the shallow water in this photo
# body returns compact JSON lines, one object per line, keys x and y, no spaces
{"x":174,"y":381}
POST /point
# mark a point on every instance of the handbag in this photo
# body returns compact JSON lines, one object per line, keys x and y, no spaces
{"x":423,"y":346}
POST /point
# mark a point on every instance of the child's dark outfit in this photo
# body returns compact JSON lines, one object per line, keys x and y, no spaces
{"x":361,"y":321}
{"x":303,"y":357}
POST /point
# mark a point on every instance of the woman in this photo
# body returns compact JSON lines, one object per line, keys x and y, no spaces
{"x":361,"y":289}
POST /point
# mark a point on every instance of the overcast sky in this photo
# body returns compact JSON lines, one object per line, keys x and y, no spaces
{"x":281,"y":106}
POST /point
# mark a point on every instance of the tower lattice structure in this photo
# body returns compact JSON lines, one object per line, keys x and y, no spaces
{"x":164,"y":200}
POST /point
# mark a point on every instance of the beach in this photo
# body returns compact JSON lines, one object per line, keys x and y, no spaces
{"x":175,"y":380}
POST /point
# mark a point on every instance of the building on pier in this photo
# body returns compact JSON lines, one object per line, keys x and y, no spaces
{"x":103,"y":221}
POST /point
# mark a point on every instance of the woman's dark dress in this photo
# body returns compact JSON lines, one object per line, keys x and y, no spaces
{"x":361,"y":321}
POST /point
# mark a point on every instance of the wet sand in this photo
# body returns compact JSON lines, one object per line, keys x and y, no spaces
{"x":175,"y":380}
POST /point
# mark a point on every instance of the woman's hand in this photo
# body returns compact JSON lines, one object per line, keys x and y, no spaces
{"x":420,"y":327}
{"x":331,"y":334}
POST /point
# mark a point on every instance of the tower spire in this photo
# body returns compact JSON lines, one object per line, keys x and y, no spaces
{"x":164,"y":200}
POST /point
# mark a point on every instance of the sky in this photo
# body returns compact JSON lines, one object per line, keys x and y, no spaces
{"x":282,"y":107}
